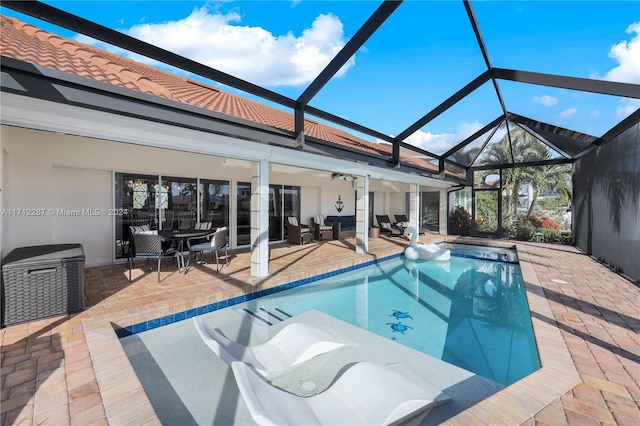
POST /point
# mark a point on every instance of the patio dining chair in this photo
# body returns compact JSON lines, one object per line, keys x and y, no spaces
{"x":387,"y":227}
{"x":202,"y":226}
{"x":167,"y":220}
{"x":148,"y":244}
{"x":143,"y":218}
{"x":218,"y":242}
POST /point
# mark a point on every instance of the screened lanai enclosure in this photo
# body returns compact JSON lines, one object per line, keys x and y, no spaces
{"x":533,"y":146}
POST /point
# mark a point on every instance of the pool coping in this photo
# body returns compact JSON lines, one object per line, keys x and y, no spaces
{"x":517,"y":403}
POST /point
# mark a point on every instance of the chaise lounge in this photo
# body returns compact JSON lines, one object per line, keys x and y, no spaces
{"x":387,"y":227}
{"x":367,"y":393}
{"x":294,"y":344}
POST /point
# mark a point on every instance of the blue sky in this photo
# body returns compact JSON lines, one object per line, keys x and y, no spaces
{"x":418,"y":58}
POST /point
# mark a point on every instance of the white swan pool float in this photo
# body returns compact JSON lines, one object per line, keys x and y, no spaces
{"x":417,"y":251}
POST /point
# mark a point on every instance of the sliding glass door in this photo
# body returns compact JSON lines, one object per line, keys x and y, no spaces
{"x":290,"y":206}
{"x":179,"y":202}
{"x":214,"y":202}
{"x":167,"y":202}
{"x":243,"y":213}
{"x":284,"y":201}
{"x":135,"y":196}
{"x":430,"y":210}
{"x":171,"y":202}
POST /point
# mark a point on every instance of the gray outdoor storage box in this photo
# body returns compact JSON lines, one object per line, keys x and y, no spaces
{"x":42,"y":281}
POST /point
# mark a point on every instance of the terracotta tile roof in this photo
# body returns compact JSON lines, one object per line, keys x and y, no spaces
{"x":28,"y":43}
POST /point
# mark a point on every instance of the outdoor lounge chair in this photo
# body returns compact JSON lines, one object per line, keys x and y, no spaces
{"x":402,"y":221}
{"x":387,"y":227}
{"x":321,"y":230}
{"x":297,"y":233}
{"x":367,"y":393}
{"x":147,"y":244}
{"x":294,"y":344}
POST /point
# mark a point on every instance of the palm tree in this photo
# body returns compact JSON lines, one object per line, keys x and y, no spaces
{"x":555,"y":177}
{"x":518,"y":146}
{"x":501,"y":153}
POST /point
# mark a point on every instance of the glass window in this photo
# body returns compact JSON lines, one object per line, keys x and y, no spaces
{"x":284,"y":201}
{"x":243,"y":224}
{"x":214,"y":202}
{"x":135,"y":194}
{"x":461,"y":197}
{"x":275,"y":213}
{"x":430,"y":210}
{"x":180,"y":208}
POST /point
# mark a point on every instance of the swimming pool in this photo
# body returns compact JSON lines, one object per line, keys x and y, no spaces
{"x":504,"y":254}
{"x":470,"y":311}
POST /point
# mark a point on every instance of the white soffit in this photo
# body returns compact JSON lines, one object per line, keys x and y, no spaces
{"x":22,"y":111}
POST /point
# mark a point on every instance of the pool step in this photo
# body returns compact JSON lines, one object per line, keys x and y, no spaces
{"x":266,"y":316}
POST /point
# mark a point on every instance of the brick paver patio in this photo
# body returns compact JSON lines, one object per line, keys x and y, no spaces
{"x":72,"y":370}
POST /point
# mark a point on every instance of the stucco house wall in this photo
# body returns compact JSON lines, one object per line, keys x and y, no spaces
{"x":47,"y":173}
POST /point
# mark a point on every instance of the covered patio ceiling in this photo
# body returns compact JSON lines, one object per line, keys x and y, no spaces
{"x":491,"y":84}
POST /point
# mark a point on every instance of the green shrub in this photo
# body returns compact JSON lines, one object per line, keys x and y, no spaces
{"x":525,"y":233}
{"x":550,"y":236}
{"x":566,"y":237}
{"x":460,"y":222}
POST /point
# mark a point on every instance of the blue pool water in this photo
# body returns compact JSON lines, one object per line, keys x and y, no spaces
{"x":470,"y":311}
{"x":503,"y":254}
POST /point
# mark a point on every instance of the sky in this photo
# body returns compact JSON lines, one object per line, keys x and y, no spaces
{"x":420,"y":56}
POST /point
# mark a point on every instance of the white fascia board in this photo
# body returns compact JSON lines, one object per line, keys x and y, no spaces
{"x":23,"y":111}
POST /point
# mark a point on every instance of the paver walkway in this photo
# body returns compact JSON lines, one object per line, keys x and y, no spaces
{"x":71,"y":369}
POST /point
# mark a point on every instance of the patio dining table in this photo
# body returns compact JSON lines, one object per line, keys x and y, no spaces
{"x":180,"y":236}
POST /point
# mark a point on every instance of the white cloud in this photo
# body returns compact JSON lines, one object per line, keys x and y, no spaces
{"x":436,"y":143}
{"x":627,"y":54}
{"x":594,"y":114}
{"x":626,"y":107}
{"x":545,"y":100}
{"x":567,"y":113}
{"x":251,"y":53}
{"x":439,"y":143}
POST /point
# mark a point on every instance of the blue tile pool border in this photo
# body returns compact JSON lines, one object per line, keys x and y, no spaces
{"x":180,"y":316}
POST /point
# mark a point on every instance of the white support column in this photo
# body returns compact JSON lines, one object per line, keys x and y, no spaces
{"x":362,"y":215}
{"x":414,"y":206}
{"x":443,"y":214}
{"x":260,"y":219}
